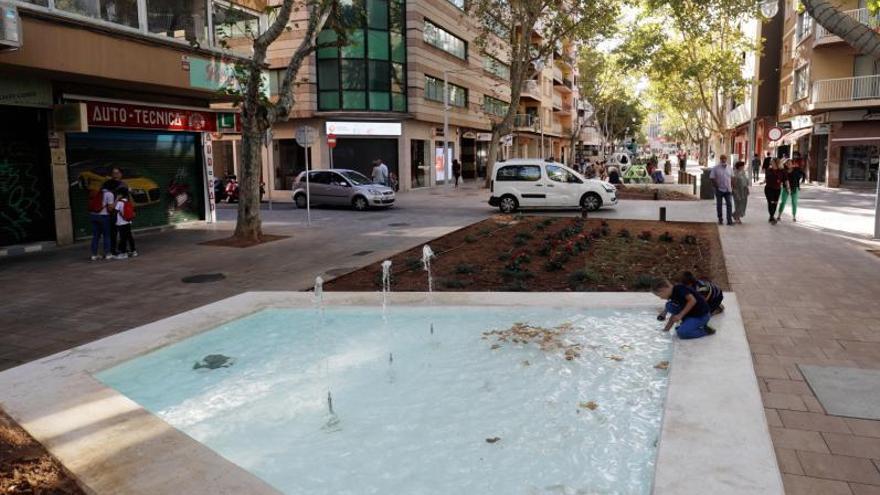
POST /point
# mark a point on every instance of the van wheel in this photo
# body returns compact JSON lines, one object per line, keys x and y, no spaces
{"x":359,"y":203}
{"x":591,"y":201}
{"x":300,"y":201}
{"x":508,"y":204}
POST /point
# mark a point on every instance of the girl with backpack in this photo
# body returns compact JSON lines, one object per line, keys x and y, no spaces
{"x":124,"y":216}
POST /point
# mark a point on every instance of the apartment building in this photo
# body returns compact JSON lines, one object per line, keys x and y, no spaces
{"x":89,"y":85}
{"x":382,"y":97}
{"x":751,"y":117}
{"x":830,"y":95}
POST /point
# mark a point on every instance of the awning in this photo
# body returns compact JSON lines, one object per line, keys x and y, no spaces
{"x":791,"y":137}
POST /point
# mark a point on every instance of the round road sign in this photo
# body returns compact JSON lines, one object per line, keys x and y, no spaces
{"x":774,"y":134}
{"x":331,"y":140}
{"x":306,"y":135}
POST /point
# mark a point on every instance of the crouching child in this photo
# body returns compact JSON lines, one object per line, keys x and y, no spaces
{"x":713,"y":294}
{"x":688,"y":309}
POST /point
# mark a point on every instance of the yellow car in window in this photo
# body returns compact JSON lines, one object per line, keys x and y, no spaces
{"x":144,"y":191}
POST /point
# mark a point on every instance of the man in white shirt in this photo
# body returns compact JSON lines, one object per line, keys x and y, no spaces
{"x":380,"y":172}
{"x":721,"y":176}
{"x":100,"y":210}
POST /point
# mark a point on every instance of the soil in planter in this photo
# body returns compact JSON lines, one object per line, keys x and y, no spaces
{"x":26,"y":467}
{"x":506,"y":253}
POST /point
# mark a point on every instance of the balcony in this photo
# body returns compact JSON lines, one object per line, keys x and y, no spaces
{"x":557,"y":75}
{"x":738,"y":116}
{"x":824,"y":37}
{"x":525,"y":122}
{"x":531,"y":91}
{"x":846,"y":92}
{"x":557,"y":101}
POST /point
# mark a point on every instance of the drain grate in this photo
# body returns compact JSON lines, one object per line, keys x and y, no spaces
{"x":203,"y":278}
{"x":362,"y":253}
{"x":401,"y":224}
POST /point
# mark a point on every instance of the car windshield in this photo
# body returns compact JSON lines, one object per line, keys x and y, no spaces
{"x":356,"y":178}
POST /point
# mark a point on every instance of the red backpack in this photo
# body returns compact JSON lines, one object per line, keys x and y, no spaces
{"x":128,"y":210}
{"x":96,"y":201}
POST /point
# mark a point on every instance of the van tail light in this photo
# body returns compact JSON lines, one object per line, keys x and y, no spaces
{"x":491,"y":186}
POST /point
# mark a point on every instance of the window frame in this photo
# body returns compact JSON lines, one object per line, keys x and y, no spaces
{"x":801,"y":74}
{"x":441,"y":29}
{"x":495,"y":103}
{"x":449,"y":88}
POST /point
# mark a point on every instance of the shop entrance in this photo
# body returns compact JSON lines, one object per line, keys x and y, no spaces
{"x":358,"y":154}
{"x":859,"y":165}
{"x":418,"y":168}
{"x":26,"y":195}
{"x":163,"y":172}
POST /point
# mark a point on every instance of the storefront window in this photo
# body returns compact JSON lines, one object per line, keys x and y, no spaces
{"x":183,"y":20}
{"x":122,"y":12}
{"x":290,"y":160}
{"x":369,"y":73}
{"x":860,"y":163}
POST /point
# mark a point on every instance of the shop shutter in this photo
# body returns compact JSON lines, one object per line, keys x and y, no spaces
{"x":163,"y":172}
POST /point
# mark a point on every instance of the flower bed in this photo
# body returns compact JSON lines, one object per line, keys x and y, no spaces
{"x":507,"y":253}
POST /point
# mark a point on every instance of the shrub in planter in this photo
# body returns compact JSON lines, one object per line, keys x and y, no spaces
{"x":516,"y":286}
{"x":624,"y":234}
{"x":645,"y":281}
{"x":596,"y":233}
{"x":485,"y":231}
{"x":453,"y":283}
{"x":470,"y":239}
{"x":689,"y":240}
{"x":545,"y":249}
{"x":524,"y":235}
{"x":645,"y":235}
{"x":517,"y":260}
{"x":504,"y":256}
{"x":413,"y":264}
{"x":605,"y":231}
{"x":604,"y":223}
{"x":666,"y":237}
{"x":581,"y":278}
{"x":508,"y":274}
{"x":548,"y":222}
{"x":466,"y":269}
{"x":554,"y":265}
{"x":519,"y":241}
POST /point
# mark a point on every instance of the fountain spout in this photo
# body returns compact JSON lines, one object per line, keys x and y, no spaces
{"x":386,"y":285}
{"x":319,"y":292}
{"x":427,"y":254}
{"x":330,"y":403}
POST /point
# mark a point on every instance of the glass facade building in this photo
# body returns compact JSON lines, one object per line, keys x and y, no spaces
{"x":369,"y":73}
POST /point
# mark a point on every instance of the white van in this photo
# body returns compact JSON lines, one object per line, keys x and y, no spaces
{"x":534,"y":183}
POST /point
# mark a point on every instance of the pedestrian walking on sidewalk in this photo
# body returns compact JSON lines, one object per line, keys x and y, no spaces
{"x":773,"y":179}
{"x":741,"y":185}
{"x":791,"y":187}
{"x":756,"y":168}
{"x":456,"y":171}
{"x":721,"y":176}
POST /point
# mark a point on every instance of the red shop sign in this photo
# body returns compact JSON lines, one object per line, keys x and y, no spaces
{"x":103,"y":114}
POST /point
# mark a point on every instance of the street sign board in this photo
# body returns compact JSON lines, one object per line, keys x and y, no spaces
{"x":331,"y":141}
{"x":306,"y":136}
{"x":774,"y":134}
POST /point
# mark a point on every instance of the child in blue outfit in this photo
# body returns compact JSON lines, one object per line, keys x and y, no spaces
{"x":713,"y":294}
{"x":686,"y":306}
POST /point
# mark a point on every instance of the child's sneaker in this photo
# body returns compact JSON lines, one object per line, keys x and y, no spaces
{"x":121,"y":256}
{"x":133,"y":254}
{"x":710,"y":330}
{"x":94,"y":257}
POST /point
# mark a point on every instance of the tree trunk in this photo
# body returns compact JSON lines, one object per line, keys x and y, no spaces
{"x":858,"y":35}
{"x":249,"y":226}
{"x":704,"y":151}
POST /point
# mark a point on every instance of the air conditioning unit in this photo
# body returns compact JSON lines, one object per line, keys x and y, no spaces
{"x":10,"y":27}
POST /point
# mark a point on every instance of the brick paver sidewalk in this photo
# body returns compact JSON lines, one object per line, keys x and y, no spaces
{"x":809,"y":298}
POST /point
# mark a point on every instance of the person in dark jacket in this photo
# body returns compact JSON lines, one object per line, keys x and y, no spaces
{"x":773,"y":180}
{"x":791,"y":187}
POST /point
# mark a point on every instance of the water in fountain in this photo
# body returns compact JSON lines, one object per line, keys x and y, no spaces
{"x":386,"y":286}
{"x":319,"y":296}
{"x":332,"y":423}
{"x":427,"y":254}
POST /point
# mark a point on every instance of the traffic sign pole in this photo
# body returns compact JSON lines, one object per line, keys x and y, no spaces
{"x":305,"y":137}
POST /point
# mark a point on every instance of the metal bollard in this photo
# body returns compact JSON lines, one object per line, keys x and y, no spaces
{"x":662,"y":213}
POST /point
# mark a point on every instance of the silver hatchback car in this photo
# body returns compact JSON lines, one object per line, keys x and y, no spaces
{"x":341,"y":187}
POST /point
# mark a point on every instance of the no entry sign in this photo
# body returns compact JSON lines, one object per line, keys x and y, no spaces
{"x":331,"y":141}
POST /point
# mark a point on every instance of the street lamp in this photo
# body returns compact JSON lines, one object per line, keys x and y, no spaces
{"x":447,"y":163}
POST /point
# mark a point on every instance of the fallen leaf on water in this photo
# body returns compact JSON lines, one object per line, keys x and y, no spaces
{"x":589,"y":405}
{"x":492,"y":440}
{"x":615,"y":358}
{"x":526,"y":363}
{"x":625,"y":347}
{"x":662,"y":365}
{"x":495,"y":346}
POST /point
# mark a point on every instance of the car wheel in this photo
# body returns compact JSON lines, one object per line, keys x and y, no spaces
{"x":359,"y":203}
{"x":508,"y":204}
{"x":300,"y":200}
{"x":591,"y":201}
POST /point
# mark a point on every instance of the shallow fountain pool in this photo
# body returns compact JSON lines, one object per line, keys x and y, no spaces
{"x":416,"y":412}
